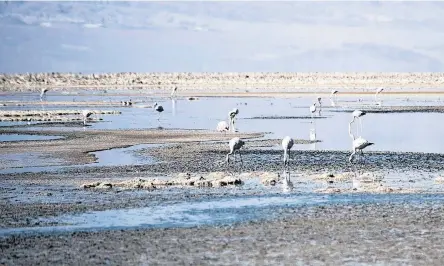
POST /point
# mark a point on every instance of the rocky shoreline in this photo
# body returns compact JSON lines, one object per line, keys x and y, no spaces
{"x":276,"y":80}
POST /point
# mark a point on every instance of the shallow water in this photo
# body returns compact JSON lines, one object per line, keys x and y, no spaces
{"x":413,"y":132}
{"x":403,"y":132}
{"x":21,"y":137}
{"x":112,"y":157}
{"x":225,"y":211}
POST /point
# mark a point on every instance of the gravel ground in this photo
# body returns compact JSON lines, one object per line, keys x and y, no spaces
{"x":369,"y":234}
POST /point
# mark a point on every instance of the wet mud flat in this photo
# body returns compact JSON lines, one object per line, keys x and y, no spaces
{"x":27,"y":196}
{"x":390,"y":233}
{"x":77,"y":145}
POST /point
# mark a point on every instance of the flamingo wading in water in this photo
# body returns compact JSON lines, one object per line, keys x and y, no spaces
{"x":232,"y":116}
{"x":86,"y":114}
{"x":222,"y":126}
{"x":320,"y":106}
{"x":312,"y":111}
{"x":333,"y":94}
{"x":378,"y":91}
{"x":43,"y":93}
{"x":235,"y":145}
{"x":158,"y":108}
{"x":287,"y":144}
{"x":173,"y":92}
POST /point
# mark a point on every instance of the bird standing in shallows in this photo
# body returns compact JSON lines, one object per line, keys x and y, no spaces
{"x":359,"y":144}
{"x":232,"y":116}
{"x":43,"y":93}
{"x":357,"y":114}
{"x":158,"y":108}
{"x":312,"y":111}
{"x":235,"y":146}
{"x":173,"y":92}
{"x":287,"y":144}
{"x":378,"y":91}
{"x":333,"y":93}
{"x":86,"y":114}
{"x":223,"y":126}
{"x":320,"y":106}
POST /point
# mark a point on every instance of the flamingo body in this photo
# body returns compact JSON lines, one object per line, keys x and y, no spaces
{"x":359,"y":144}
{"x":287,"y":144}
{"x":158,"y":108}
{"x":86,"y":114}
{"x":235,"y":145}
{"x":222,"y":126}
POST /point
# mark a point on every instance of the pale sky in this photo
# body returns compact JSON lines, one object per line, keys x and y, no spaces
{"x":221,"y":36}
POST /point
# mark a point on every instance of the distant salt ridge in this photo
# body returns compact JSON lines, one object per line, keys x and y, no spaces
{"x":221,"y":80}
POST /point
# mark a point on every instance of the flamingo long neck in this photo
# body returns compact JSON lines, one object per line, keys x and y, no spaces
{"x":349,"y":130}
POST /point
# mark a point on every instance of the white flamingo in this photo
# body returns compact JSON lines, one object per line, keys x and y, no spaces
{"x":173,"y":92}
{"x":222,"y":126}
{"x":86,"y":114}
{"x":43,"y":93}
{"x":333,"y":94}
{"x":287,"y":144}
{"x":320,"y":106}
{"x":359,"y":145}
{"x":232,"y":115}
{"x":235,"y":145}
{"x":357,"y":114}
{"x":312,"y":111}
{"x":158,"y":108}
{"x":378,"y":91}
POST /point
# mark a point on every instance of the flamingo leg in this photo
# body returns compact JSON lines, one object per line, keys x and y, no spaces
{"x":351,"y":156}
{"x":240,"y":155}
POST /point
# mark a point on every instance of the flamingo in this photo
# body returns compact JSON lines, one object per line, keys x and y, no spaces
{"x":235,"y":145}
{"x":287,"y":144}
{"x":378,"y":91}
{"x":359,"y":145}
{"x":312,"y":110}
{"x":43,"y":93}
{"x":86,"y":114}
{"x":222,"y":126}
{"x":320,"y":106}
{"x":232,"y":115}
{"x":333,"y":93}
{"x":357,"y":114}
{"x":158,"y":108}
{"x":173,"y":92}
